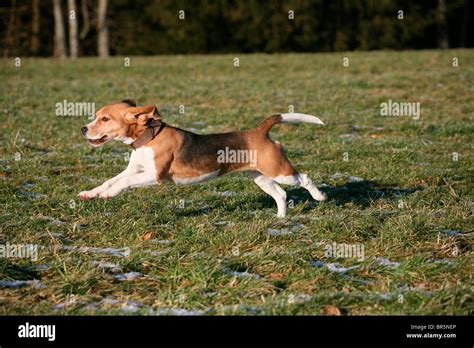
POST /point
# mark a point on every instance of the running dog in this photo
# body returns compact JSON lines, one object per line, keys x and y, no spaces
{"x":164,"y":153}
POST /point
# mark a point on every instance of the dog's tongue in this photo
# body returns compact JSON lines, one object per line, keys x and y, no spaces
{"x":98,"y":141}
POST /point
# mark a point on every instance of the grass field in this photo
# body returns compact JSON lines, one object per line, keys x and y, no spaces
{"x":401,"y":188}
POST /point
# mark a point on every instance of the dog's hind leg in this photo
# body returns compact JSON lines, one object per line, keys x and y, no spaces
{"x":274,"y":164}
{"x":304,"y":181}
{"x":271,"y":188}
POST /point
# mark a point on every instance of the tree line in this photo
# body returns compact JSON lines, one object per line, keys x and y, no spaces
{"x":72,"y":28}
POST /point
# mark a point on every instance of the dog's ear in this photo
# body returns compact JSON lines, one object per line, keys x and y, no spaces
{"x":141,"y":114}
{"x":130,"y":102}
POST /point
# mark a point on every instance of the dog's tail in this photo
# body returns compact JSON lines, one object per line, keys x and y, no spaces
{"x":292,"y":117}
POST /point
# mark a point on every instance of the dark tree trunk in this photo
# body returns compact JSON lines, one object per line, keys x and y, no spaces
{"x":465,"y":23}
{"x":85,"y":19}
{"x":35,"y":27}
{"x":10,"y":35}
{"x":443,"y":41}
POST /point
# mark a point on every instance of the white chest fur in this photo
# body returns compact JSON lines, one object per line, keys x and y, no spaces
{"x":143,"y":160}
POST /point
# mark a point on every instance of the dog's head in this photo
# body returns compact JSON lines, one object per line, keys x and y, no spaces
{"x":121,"y":121}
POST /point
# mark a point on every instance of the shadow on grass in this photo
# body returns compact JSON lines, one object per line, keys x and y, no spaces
{"x":15,"y":271}
{"x":363,"y":194}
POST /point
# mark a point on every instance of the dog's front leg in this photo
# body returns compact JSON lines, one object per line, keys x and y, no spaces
{"x":133,"y":167}
{"x":135,"y":180}
{"x":99,"y":189}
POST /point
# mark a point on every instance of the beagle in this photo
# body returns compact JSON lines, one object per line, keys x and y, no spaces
{"x":165,"y":153}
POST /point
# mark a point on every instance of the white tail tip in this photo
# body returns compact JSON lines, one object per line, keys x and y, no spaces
{"x":294,"y":117}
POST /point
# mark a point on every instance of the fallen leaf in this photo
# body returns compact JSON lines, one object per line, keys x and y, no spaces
{"x":146,"y":264}
{"x":422,"y":286}
{"x":147,"y":235}
{"x":184,"y":283}
{"x":331,"y":310}
{"x":275,"y":275}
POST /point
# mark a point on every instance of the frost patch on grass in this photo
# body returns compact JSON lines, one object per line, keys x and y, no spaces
{"x":226,"y":194}
{"x":125,"y":306}
{"x":128,"y":276}
{"x":444,"y":261}
{"x":178,"y":312}
{"x":382,"y":261}
{"x":337,"y":176}
{"x":72,"y":303}
{"x":350,"y":178}
{"x":238,"y":307}
{"x":160,"y":241}
{"x":385,"y":296}
{"x":34,"y":195}
{"x":53,"y":234}
{"x":279,"y":232}
{"x":252,"y":253}
{"x":51,"y":220}
{"x":360,"y":127}
{"x":457,"y":233}
{"x":406,"y":288}
{"x":21,"y":283}
{"x":221,"y":223}
{"x":294,"y":226}
{"x":123,"y":252}
{"x":157,"y":252}
{"x":240,"y":274}
{"x":333,"y":267}
{"x":131,"y":307}
{"x":110,"y":266}
{"x":28,"y":184}
{"x":349,"y":136}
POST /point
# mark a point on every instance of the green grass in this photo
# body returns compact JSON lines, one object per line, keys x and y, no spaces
{"x":412,"y":189}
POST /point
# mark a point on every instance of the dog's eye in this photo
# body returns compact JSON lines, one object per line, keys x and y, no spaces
{"x":105,"y":119}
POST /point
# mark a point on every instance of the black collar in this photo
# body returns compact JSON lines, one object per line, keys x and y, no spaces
{"x":153,"y":127}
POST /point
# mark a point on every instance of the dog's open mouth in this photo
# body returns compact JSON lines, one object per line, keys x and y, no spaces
{"x":98,"y":141}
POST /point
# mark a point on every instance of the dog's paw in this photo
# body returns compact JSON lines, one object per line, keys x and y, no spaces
{"x":321,"y":196}
{"x":85,"y":195}
{"x":105,"y":195}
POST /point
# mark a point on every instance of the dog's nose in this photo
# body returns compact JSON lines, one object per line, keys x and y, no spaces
{"x":84,"y":130}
